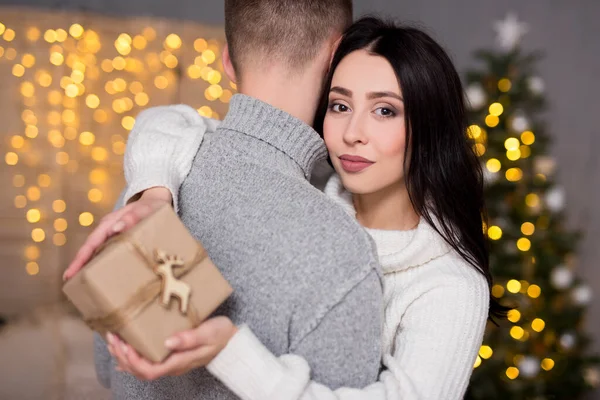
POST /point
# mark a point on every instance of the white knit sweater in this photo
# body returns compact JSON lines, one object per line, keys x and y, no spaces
{"x":436,"y":304}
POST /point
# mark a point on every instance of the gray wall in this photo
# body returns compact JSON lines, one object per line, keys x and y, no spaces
{"x":568,"y":31}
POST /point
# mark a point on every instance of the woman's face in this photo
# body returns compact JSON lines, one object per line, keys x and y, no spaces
{"x":364,"y":126}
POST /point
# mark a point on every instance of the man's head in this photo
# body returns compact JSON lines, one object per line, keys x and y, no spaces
{"x":290,"y":33}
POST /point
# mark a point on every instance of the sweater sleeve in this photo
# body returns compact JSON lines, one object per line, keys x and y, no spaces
{"x":161,"y":148}
{"x":436,"y":345}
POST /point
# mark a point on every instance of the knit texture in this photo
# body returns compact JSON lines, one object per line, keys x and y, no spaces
{"x":305,"y":275}
{"x":435,"y":312}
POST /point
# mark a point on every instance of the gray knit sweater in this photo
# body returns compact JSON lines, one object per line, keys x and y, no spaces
{"x":305,"y":274}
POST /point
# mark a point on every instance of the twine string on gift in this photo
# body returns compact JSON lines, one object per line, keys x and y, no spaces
{"x":120,"y":317}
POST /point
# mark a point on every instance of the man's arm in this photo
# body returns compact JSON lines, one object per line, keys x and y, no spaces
{"x":344,"y":348}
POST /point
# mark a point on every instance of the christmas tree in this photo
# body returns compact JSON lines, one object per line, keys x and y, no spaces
{"x":541,"y":352}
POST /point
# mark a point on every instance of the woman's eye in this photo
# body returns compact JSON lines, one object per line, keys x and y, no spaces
{"x":338,"y":107}
{"x":384,"y":112}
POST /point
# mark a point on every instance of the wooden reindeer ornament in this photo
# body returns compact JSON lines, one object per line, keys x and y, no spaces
{"x":171,"y":286}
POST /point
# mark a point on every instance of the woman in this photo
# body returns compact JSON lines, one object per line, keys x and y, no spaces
{"x":393,"y":119}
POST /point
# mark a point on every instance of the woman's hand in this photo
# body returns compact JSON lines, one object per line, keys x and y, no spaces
{"x":117,"y":222}
{"x":193,"y":349}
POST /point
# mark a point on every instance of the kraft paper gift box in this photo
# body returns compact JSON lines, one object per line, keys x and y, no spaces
{"x":149,"y":283}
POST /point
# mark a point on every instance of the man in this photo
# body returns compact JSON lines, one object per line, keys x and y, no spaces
{"x":305,"y":274}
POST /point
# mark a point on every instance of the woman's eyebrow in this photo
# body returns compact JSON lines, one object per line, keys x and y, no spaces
{"x":341,"y":90}
{"x":377,"y":95}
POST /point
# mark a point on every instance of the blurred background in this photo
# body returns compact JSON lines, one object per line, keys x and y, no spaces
{"x":75,"y":73}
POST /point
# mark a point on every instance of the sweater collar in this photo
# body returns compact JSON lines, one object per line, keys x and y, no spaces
{"x":281,"y":130}
{"x":397,"y":250}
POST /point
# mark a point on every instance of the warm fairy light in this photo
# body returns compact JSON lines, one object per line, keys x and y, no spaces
{"x":532,"y":200}
{"x":495,"y":232}
{"x":512,"y":373}
{"x":38,"y":235}
{"x":497,"y":291}
{"x":44,"y":180}
{"x":524,"y":244}
{"x":214,"y":77}
{"x":33,"y":34}
{"x":512,"y":144}
{"x":504,"y":85}
{"x":99,"y":154}
{"x":28,"y":60}
{"x":128,"y":122}
{"x":538,"y":324}
{"x":9,"y":35}
{"x":200,"y":45}
{"x":32,"y":252}
{"x":33,"y":193}
{"x":514,"y":315}
{"x":87,"y":138}
{"x":86,"y":219}
{"x":18,"y":70}
{"x":141,"y":99}
{"x":20,"y":201}
{"x":139,"y":42}
{"x":32,"y":268}
{"x":95,"y":195}
{"x":59,"y":239}
{"x":92,"y":101}
{"x":517,"y":333}
{"x":525,"y":151}
{"x":173,"y":41}
{"x":226,"y":96}
{"x":60,"y":225}
{"x":161,"y":82}
{"x":98,"y":176}
{"x":208,"y":56}
{"x":17,"y":141}
{"x":513,"y":155}
{"x":59,"y":206}
{"x":527,"y":138}
{"x":547,"y":364}
{"x":18,"y":180}
{"x":11,"y":158}
{"x":479,"y":149}
{"x":56,"y":58}
{"x":62,"y":158}
{"x":528,"y":228}
{"x":514,"y":174}
{"x":496,"y":109}
{"x":205,"y":111}
{"x":119,"y":148}
{"x":486,"y":352}
{"x":493,"y":165}
{"x":33,"y":215}
{"x":76,"y":31}
{"x":513,"y":286}
{"x":534,"y":291}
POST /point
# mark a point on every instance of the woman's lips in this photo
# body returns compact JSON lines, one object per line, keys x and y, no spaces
{"x":354,"y":163}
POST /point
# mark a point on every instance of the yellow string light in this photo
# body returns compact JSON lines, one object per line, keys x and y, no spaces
{"x":538,"y":325}
{"x":514,"y":316}
{"x":512,"y":373}
{"x":86,"y":219}
{"x":534,"y":291}
{"x":547,"y":364}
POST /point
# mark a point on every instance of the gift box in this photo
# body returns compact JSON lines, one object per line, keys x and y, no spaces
{"x":148,"y":283}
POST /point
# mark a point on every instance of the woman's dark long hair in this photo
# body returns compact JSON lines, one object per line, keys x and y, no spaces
{"x":443,"y":175}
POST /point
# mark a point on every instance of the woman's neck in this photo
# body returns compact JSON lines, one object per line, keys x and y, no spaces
{"x":386,"y":209}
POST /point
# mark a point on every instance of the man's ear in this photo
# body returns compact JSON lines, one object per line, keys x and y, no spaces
{"x":334,"y":49}
{"x":228,"y":65}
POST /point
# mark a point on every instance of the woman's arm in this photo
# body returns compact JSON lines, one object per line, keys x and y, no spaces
{"x":435,"y":348}
{"x":161,"y":148}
